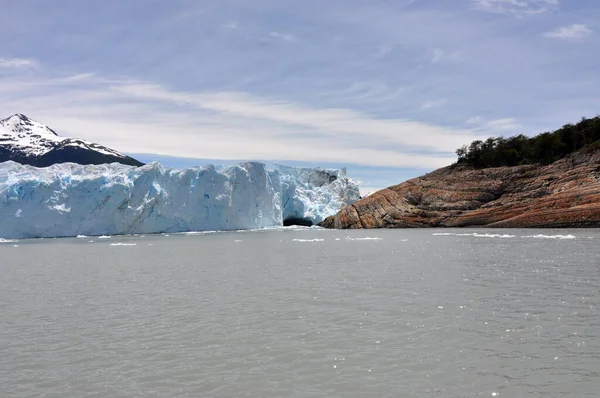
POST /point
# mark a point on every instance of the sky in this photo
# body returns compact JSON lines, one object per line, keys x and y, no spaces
{"x":388,"y":89}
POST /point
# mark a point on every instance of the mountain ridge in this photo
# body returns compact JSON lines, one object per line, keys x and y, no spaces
{"x":29,"y":142}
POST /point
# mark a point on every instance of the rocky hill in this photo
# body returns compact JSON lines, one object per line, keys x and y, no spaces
{"x":26,"y":141}
{"x":565,"y":193}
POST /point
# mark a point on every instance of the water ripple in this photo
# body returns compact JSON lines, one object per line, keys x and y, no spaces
{"x":303,"y":313}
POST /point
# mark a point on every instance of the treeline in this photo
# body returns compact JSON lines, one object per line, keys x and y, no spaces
{"x":544,"y":148}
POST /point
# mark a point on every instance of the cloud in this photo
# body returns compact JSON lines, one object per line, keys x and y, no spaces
{"x":18,"y":63}
{"x":283,"y":36}
{"x":508,"y":124}
{"x":79,"y":77}
{"x":438,"y":55}
{"x":516,"y":7}
{"x":230,"y":25}
{"x":369,"y":90}
{"x":502,"y":124}
{"x":313,"y":90}
{"x":150,"y":118}
{"x":372,"y":95}
{"x":434,"y":103}
{"x":474,"y":120}
{"x":383,"y":50}
{"x":572,"y":32}
{"x":336,"y":122}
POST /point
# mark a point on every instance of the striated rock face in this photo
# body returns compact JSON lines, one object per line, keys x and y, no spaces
{"x":563,"y":194}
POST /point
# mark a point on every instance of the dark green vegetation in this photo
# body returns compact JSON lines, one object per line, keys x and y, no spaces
{"x":544,"y":148}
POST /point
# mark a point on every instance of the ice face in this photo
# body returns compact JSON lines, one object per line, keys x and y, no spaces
{"x":311,"y":194}
{"x":69,"y":199}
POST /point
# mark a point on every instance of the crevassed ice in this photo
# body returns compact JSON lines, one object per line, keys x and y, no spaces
{"x":312,"y":193}
{"x":112,"y":199}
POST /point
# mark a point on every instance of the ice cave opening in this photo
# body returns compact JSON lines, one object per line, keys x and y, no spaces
{"x":297,"y":221}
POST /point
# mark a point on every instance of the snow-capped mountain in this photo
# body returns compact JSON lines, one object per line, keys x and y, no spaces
{"x":29,"y":142}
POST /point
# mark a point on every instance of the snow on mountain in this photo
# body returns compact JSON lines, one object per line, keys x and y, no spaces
{"x":71,"y":199}
{"x":29,"y":142}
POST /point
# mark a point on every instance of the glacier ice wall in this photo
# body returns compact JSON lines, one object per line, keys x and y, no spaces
{"x":69,"y":199}
{"x":312,"y":194}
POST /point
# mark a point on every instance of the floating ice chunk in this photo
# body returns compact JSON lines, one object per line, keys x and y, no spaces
{"x":308,"y":240}
{"x":365,"y":238}
{"x":475,"y":234}
{"x":541,"y":236}
{"x":123,"y":244}
{"x":504,"y":236}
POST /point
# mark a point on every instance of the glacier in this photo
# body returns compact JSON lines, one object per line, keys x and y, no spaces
{"x":69,"y":199}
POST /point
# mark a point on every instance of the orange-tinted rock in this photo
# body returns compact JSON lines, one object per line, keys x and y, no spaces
{"x":563,"y":194}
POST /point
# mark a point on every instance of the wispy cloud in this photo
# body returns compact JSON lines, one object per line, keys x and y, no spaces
{"x":383,"y":50}
{"x":509,"y":125}
{"x":79,"y":77}
{"x":230,"y":25}
{"x":503,"y":124}
{"x":335,"y":122}
{"x":434,"y":103}
{"x":516,"y":7}
{"x":18,"y":63}
{"x":474,"y":120}
{"x":369,"y":90}
{"x":150,"y":118}
{"x":207,"y":79}
{"x":438,"y":55}
{"x":572,"y":32}
{"x":283,"y":36}
{"x":374,"y":95}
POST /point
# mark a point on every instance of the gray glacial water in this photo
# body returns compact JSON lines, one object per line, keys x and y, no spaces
{"x":303,"y":313}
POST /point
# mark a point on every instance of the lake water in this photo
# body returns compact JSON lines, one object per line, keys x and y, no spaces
{"x":303,"y":313}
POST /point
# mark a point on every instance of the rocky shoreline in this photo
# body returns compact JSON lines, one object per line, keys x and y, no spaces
{"x":565,"y":193}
